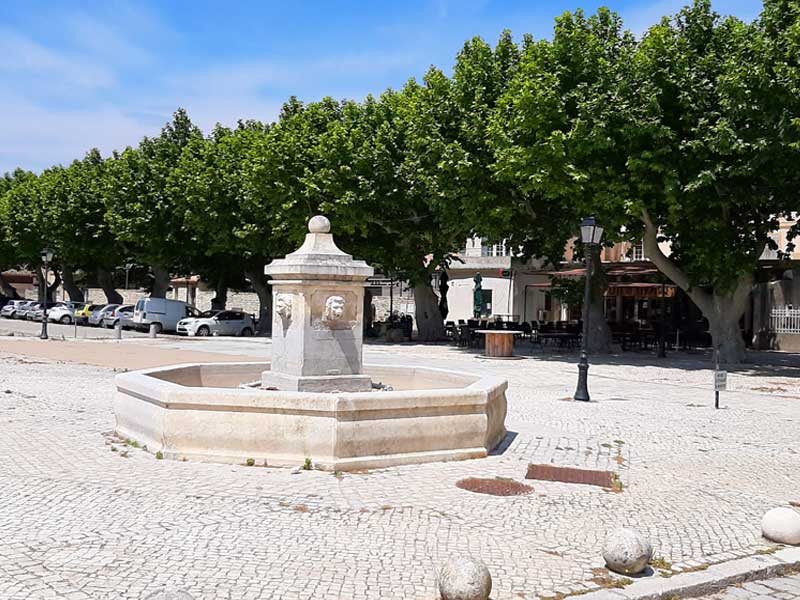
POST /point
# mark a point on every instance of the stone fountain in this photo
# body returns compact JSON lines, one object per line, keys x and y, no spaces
{"x":315,"y":399}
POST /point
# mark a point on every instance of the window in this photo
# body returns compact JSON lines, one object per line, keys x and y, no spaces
{"x":493,"y":249}
{"x":637,"y":252}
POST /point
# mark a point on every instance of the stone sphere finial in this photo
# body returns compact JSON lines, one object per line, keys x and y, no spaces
{"x":319,"y":224}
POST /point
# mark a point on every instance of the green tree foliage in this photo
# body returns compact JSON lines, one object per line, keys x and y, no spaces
{"x":557,"y":137}
{"x":140,"y":211}
{"x":211,"y":187}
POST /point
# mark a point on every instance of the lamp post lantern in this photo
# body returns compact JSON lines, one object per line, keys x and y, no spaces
{"x":591,"y":235}
{"x":47,"y":256}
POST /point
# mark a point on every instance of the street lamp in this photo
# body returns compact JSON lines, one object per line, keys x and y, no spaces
{"x":591,"y":234}
{"x":47,"y":256}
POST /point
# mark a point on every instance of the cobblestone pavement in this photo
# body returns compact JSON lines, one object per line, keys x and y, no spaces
{"x":782,"y":588}
{"x":83,"y":516}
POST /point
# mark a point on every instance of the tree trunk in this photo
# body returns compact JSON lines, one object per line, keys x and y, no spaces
{"x":264,"y":293}
{"x":368,"y":314}
{"x":430,"y":325}
{"x":722,"y":309}
{"x":8,"y":290}
{"x":599,"y":338}
{"x":47,"y":290}
{"x":727,"y":337}
{"x":106,"y":282}
{"x":75,"y":293}
{"x":53,"y":287}
{"x":220,"y":299}
{"x":161,"y":281}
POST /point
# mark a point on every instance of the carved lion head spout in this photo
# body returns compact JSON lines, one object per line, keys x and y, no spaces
{"x":283,"y":306}
{"x":334,"y":308}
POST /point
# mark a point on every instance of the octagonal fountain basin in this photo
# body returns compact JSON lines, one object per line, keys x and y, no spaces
{"x":214,"y":412}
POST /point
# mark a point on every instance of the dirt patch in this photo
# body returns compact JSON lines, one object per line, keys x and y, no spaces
{"x":494,"y":487}
{"x":605,"y":479}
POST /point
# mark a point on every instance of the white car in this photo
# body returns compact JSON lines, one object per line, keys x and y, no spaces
{"x":97,"y":316}
{"x":223,"y":322}
{"x":38,"y":315}
{"x":64,"y":313}
{"x":122,"y":314}
{"x":9,"y":311}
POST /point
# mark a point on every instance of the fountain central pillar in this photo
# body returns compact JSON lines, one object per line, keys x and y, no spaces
{"x":317,"y":332}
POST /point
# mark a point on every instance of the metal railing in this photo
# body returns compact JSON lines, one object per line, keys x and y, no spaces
{"x":784,"y":319}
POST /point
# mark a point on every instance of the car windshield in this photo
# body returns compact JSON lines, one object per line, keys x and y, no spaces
{"x":207,"y":314}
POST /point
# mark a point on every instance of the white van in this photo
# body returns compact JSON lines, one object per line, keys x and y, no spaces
{"x":164,"y":313}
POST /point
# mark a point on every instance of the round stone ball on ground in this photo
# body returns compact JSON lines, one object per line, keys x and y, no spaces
{"x":464,"y":578}
{"x":627,"y":551}
{"x":782,"y":525}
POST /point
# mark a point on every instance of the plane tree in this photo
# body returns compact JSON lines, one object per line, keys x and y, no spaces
{"x":556,"y":136}
{"x":140,"y":211}
{"x":714,"y":153}
{"x":10,"y":257}
{"x":212,"y":187}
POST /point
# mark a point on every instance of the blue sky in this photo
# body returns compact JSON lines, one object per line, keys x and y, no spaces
{"x":79,"y":75}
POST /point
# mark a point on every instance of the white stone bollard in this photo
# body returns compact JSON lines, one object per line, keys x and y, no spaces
{"x":627,"y":551}
{"x":153,"y":330}
{"x":782,"y":525}
{"x":464,"y":578}
{"x":118,"y":330}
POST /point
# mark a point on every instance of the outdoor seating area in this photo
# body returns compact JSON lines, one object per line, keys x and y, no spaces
{"x":558,"y":335}
{"x":629,"y":336}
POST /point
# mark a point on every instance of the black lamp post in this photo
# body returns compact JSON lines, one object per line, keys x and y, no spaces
{"x":47,"y":256}
{"x":591,"y":234}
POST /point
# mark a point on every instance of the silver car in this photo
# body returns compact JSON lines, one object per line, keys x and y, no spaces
{"x":39,"y":314}
{"x":97,"y":316}
{"x":9,"y":311}
{"x":223,"y":322}
{"x":29,"y":311}
{"x":122,"y":314}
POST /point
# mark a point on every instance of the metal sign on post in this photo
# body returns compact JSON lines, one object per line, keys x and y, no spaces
{"x":720,"y":379}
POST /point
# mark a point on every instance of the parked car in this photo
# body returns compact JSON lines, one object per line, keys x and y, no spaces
{"x":9,"y":311}
{"x":23,"y":309}
{"x":38,"y":314}
{"x":65,"y":313}
{"x":224,"y":322}
{"x":123,"y":313}
{"x":82,"y":315}
{"x":30,"y":310}
{"x":161,"y":312}
{"x":97,"y":316}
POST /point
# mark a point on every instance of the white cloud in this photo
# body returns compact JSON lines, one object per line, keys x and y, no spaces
{"x":36,"y":137}
{"x":106,"y":41}
{"x":22,"y":56}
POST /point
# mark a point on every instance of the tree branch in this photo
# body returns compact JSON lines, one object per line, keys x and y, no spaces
{"x":667,"y":266}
